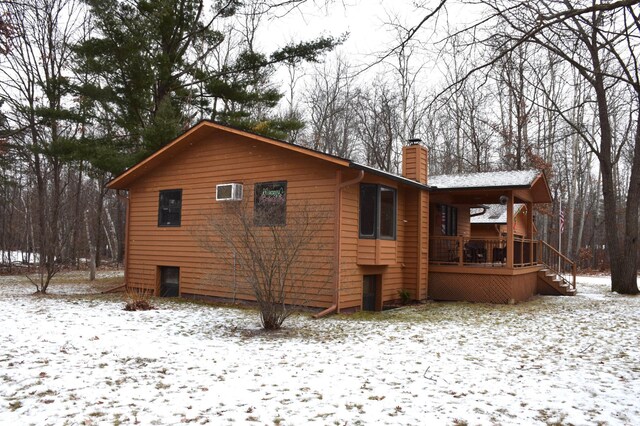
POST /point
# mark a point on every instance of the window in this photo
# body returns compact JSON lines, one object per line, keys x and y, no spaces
{"x":270,"y":203}
{"x":169,"y":281}
{"x":387,"y":213}
{"x":169,"y":207}
{"x":449,"y":220}
{"x":377,"y":211}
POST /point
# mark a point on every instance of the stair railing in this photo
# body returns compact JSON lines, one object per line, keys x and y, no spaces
{"x":558,"y":264}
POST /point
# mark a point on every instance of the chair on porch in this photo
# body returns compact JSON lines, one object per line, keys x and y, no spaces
{"x":477,"y":250}
{"x":499,"y":255}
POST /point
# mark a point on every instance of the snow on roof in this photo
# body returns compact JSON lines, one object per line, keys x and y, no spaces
{"x":494,"y":213}
{"x":484,"y":180}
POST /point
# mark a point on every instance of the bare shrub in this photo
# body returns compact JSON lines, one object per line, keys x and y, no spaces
{"x":274,"y":250}
{"x":138,"y":299}
{"x":585,"y":256}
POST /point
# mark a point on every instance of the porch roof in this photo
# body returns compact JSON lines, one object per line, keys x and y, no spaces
{"x":503,"y":179}
{"x":486,"y":188}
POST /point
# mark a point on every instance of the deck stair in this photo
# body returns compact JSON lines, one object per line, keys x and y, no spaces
{"x":558,"y":276}
{"x":549,"y":280}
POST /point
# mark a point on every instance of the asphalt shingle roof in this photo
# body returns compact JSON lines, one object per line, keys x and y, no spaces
{"x":484,"y":180}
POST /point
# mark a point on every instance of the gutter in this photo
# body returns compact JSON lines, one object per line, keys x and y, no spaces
{"x":337,"y":233}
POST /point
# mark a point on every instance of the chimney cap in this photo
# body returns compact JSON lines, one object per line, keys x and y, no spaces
{"x":415,"y":141}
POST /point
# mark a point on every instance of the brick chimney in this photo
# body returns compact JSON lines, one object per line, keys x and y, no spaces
{"x":415,"y":161}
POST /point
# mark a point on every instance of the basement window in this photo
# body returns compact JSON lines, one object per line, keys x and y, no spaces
{"x":378,"y":211}
{"x":170,"y":207}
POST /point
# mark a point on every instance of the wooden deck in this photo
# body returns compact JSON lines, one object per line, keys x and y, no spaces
{"x":483,"y":283}
{"x":468,"y":269}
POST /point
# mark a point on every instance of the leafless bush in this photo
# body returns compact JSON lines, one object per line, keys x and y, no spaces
{"x":268,"y":246}
{"x":138,"y":299}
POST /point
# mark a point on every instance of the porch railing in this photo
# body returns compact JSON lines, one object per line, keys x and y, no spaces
{"x":525,"y":252}
{"x":482,"y":251}
{"x":467,"y":251}
{"x":558,"y":264}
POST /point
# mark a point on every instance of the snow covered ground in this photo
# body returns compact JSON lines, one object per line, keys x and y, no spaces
{"x":19,"y":257}
{"x":69,"y":359}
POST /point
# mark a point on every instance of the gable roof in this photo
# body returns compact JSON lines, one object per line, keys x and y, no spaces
{"x":514,"y":179}
{"x":484,"y":188}
{"x":494,"y":213}
{"x":208,"y":128}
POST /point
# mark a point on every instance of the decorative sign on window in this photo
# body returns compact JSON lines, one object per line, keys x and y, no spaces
{"x":270,"y":203}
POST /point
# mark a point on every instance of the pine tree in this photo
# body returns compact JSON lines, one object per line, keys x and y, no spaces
{"x":147,"y":73}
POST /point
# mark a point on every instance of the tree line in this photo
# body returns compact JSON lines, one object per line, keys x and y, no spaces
{"x":91,"y":87}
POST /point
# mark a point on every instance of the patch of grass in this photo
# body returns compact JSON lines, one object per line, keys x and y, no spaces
{"x":13,"y":406}
{"x":551,"y":418}
{"x":82,"y":277}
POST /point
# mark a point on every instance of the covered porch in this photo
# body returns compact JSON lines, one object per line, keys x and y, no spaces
{"x":504,"y":263}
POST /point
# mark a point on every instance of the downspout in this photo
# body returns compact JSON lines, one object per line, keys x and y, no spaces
{"x":126,"y":235}
{"x":337,"y":233}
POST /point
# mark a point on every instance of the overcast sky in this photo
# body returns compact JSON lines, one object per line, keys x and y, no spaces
{"x":367,"y":23}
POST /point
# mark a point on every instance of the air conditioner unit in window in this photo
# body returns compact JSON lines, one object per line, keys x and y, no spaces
{"x":229,"y":192}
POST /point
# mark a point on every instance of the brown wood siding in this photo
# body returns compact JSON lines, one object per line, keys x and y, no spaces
{"x":410,"y":272}
{"x":393,"y":254}
{"x":377,"y":251}
{"x":410,"y":163}
{"x":423,"y":276}
{"x":396,"y":264}
{"x":350,"y":274}
{"x":197,"y":170}
{"x":464,"y":220}
{"x":484,"y":230}
{"x":415,"y":163}
{"x":412,"y":228}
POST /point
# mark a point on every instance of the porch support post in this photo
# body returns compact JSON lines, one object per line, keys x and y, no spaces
{"x":529,"y":207}
{"x":510,"y":230}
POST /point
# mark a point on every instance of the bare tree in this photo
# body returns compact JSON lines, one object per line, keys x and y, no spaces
{"x":272,"y":252}
{"x":331,"y":109}
{"x":601,"y":45}
{"x":379,"y":124}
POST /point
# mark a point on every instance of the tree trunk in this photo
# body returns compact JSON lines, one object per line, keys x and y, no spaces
{"x":92,"y":249}
{"x":626,"y":281}
{"x":98,"y":221}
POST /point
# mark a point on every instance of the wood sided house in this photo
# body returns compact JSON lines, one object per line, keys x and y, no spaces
{"x":385,"y":233}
